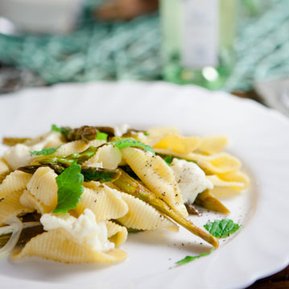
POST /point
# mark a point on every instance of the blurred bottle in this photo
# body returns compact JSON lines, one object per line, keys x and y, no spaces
{"x":198,"y":39}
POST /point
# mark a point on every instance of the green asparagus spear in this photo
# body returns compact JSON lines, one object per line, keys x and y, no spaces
{"x":135,"y":188}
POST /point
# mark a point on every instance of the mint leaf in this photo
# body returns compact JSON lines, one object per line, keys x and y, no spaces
{"x":222,"y":228}
{"x":63,"y":130}
{"x":55,"y":128}
{"x":101,"y":136}
{"x":189,"y":259}
{"x":44,"y":152}
{"x":129,"y":142}
{"x":70,"y":188}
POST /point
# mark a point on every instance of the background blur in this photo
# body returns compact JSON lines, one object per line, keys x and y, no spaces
{"x":49,"y":42}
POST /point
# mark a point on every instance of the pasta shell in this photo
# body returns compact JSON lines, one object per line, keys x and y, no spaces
{"x":155,"y":134}
{"x":141,"y":216}
{"x":236,"y":176}
{"x":178,"y":144}
{"x":228,"y":185}
{"x":29,"y":201}
{"x":218,"y":182}
{"x":57,"y":245}
{"x":10,"y":206}
{"x":216,"y":164}
{"x":213,"y":144}
{"x":43,"y":188}
{"x":76,"y":147}
{"x":116,"y":233}
{"x":108,"y":157}
{"x":105,"y":202}
{"x":14,"y":182}
{"x":156,"y":175}
{"x":4,"y":170}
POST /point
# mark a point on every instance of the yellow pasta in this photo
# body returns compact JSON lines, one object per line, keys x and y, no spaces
{"x":43,"y":188}
{"x":228,"y":185}
{"x":174,"y":143}
{"x":4,"y":169}
{"x":57,"y":245}
{"x":155,"y":134}
{"x":141,"y":216}
{"x":156,"y":175}
{"x":76,"y":147}
{"x":105,"y":202}
{"x":107,"y":157}
{"x":212,"y":144}
{"x":10,"y":206}
{"x":116,"y":233}
{"x":14,"y":182}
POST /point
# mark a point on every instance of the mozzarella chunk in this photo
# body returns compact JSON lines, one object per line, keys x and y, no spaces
{"x":191,"y":179}
{"x":84,"y":229}
{"x":119,"y":130}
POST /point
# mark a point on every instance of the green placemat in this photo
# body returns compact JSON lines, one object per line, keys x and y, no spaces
{"x":131,"y":50}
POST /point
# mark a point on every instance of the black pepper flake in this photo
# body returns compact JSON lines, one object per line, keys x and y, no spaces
{"x":2,"y":199}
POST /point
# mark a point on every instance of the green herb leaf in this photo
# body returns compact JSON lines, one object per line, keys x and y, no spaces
{"x":222,"y":228}
{"x":129,"y":142}
{"x":168,"y":159}
{"x":55,"y":128}
{"x":63,"y":130}
{"x":189,"y":259}
{"x":101,"y":136}
{"x":70,"y":188}
{"x":44,"y":152}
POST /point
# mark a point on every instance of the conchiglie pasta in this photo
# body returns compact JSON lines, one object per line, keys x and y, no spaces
{"x":220,"y":163}
{"x":14,"y":182}
{"x":106,"y":203}
{"x":156,"y":175}
{"x":76,"y":147}
{"x":107,"y":156}
{"x":57,"y":245}
{"x":10,"y":206}
{"x":212,"y":144}
{"x":228,"y":185}
{"x":218,"y":182}
{"x":174,"y":143}
{"x":4,"y":169}
{"x":43,"y":188}
{"x":141,"y":216}
{"x":155,"y":134}
{"x":116,"y":233}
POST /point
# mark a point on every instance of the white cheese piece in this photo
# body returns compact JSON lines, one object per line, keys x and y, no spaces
{"x":119,"y":130}
{"x":18,"y":156}
{"x":191,"y":179}
{"x":84,"y":229}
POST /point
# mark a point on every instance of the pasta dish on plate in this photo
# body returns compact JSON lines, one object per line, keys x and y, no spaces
{"x":73,"y":195}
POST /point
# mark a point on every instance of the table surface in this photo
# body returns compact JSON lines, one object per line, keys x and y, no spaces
{"x":276,"y":281}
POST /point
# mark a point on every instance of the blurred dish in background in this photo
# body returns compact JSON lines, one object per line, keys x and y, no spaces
{"x":53,"y":16}
{"x":275,"y":94}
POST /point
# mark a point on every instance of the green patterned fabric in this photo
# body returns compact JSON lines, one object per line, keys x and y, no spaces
{"x":131,"y":50}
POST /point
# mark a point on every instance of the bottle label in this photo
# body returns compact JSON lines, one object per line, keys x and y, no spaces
{"x":200,"y":33}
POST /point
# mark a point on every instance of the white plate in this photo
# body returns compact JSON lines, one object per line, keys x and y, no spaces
{"x":258,"y":136}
